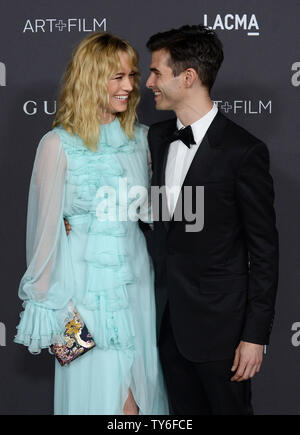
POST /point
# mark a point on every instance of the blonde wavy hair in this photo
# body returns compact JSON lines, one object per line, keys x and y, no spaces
{"x":84,"y":90}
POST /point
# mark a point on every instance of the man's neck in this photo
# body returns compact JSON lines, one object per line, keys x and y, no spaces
{"x":192,"y":110}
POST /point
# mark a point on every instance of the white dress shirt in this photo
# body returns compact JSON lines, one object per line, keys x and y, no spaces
{"x":180,"y":157}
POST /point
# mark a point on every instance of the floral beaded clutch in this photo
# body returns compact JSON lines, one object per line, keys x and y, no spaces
{"x":78,"y":341}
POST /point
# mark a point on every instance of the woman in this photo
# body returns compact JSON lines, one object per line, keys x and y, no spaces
{"x":103,"y":266}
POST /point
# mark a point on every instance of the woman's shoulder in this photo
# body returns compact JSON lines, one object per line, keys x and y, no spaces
{"x":58,"y":140}
{"x":50,"y":141}
{"x":63,"y":134}
{"x":49,"y":148}
{"x":141,"y":128}
{"x":141,"y":133}
{"x":69,"y":141}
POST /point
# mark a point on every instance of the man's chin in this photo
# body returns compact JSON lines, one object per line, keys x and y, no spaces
{"x":160,"y":107}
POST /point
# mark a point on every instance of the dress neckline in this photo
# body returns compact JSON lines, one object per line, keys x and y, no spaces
{"x":111,"y":139}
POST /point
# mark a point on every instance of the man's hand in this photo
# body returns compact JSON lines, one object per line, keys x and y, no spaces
{"x":247,"y":360}
{"x":67,"y":226}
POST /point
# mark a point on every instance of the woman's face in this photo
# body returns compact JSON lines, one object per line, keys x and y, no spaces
{"x":121,"y":85}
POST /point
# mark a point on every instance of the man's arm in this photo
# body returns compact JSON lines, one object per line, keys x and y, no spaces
{"x":256,"y":203}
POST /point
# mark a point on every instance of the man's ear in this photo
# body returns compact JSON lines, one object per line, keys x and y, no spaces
{"x":190,"y":76}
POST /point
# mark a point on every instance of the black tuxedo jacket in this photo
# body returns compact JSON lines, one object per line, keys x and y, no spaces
{"x":220,"y":283}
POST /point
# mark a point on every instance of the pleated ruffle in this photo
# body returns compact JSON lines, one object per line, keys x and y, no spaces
{"x":108,"y":264}
{"x":40,"y":327}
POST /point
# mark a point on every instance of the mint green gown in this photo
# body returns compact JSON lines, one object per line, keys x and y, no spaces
{"x":102,"y":267}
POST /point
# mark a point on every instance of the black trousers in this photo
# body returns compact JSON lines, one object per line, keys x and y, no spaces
{"x":200,"y":388}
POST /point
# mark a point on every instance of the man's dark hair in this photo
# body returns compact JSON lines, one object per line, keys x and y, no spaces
{"x":195,"y":47}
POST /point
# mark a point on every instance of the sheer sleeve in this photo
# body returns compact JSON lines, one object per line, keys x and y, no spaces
{"x":46,"y":287}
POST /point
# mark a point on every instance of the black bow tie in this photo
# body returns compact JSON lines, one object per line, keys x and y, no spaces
{"x":185,"y":135}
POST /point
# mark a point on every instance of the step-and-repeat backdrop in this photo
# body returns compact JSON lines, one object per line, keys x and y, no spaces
{"x":258,"y":87}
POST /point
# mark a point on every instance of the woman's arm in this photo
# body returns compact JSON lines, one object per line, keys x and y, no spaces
{"x":47,"y":284}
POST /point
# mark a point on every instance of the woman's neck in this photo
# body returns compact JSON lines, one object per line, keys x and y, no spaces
{"x":107,"y":117}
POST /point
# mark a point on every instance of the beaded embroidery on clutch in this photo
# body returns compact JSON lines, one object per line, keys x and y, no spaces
{"x":77,"y":338}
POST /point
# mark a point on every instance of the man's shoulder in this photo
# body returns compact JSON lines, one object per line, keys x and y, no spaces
{"x":239,"y":134}
{"x":162,"y":126}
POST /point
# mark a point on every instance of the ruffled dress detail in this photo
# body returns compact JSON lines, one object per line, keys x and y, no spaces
{"x":107,"y":260}
{"x":39,"y":327}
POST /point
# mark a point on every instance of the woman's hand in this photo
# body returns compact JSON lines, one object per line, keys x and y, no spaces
{"x":67,"y":226}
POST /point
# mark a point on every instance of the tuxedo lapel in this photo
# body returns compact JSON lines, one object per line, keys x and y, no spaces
{"x":162,"y":178}
{"x":160,"y":156}
{"x":203,"y":161}
{"x":200,"y":167}
{"x":163,"y":182}
{"x":165,"y":145}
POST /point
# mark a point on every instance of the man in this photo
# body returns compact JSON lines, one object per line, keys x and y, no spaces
{"x":215,"y":288}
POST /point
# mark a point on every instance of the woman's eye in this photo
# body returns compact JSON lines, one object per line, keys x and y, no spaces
{"x":120,"y":77}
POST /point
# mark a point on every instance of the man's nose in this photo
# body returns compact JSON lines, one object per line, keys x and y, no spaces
{"x":149,"y":82}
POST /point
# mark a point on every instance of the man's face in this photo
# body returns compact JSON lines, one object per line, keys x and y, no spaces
{"x":167,"y":89}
